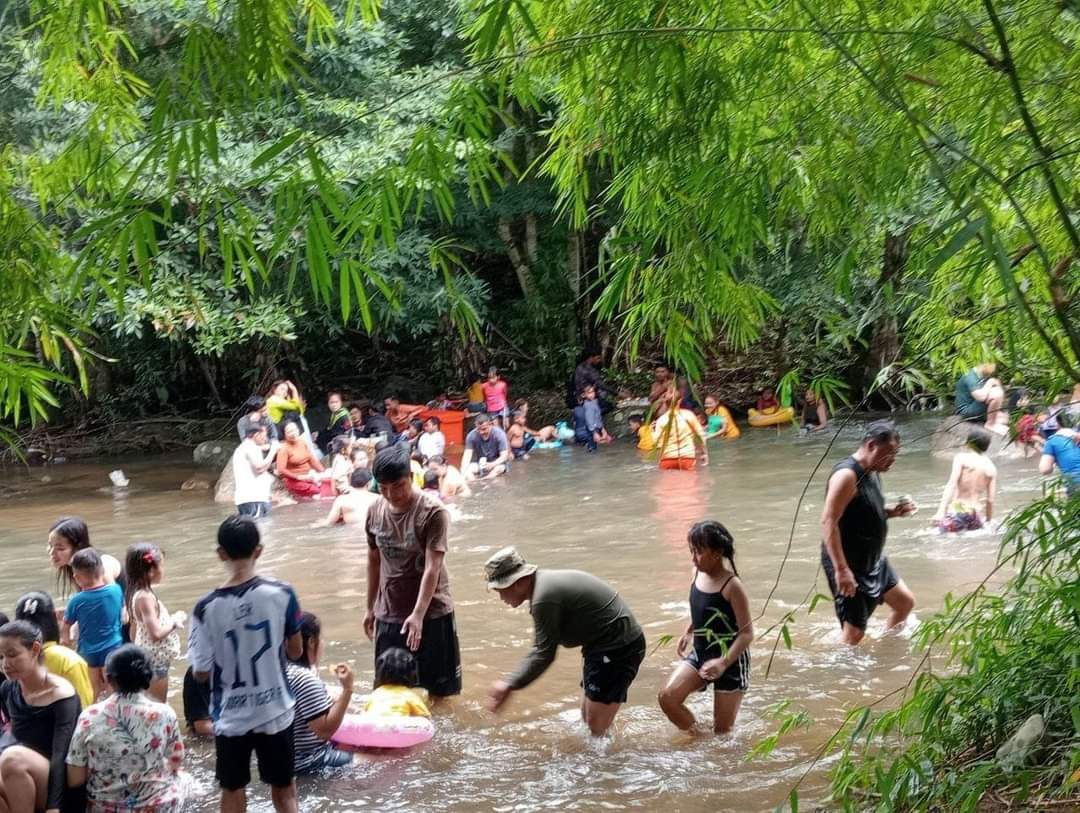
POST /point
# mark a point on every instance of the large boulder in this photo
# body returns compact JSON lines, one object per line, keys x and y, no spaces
{"x":225,"y":490}
{"x":213,"y":454}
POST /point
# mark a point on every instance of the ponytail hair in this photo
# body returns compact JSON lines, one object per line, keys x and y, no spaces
{"x":128,"y":669}
{"x":39,"y":610}
{"x":711,"y":535}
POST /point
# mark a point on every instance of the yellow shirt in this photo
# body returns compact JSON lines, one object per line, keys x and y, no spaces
{"x":67,"y":664}
{"x":676,"y":430}
{"x":476,"y":393}
{"x":645,"y":440}
{"x":417,"y":472}
{"x":396,"y":701}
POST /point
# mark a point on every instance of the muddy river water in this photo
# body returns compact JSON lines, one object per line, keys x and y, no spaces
{"x":610,"y":513}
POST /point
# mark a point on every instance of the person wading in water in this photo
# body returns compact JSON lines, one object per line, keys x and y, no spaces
{"x":853,"y":527}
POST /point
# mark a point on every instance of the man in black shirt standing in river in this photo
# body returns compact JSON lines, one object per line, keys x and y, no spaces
{"x":853,"y":526}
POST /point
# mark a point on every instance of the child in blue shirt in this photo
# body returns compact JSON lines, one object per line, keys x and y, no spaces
{"x":98,"y":610}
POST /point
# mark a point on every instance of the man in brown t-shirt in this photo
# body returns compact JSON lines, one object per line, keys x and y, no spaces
{"x":408,"y":601}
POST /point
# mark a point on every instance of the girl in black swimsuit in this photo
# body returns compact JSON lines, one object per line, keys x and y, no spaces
{"x":715,"y":644}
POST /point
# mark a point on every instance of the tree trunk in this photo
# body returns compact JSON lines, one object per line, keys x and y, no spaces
{"x":884,"y":348}
{"x":517,"y":258}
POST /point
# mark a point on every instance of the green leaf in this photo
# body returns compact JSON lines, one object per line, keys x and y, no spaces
{"x":275,"y":149}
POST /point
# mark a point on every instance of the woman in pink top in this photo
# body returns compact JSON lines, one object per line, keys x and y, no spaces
{"x":495,"y":390}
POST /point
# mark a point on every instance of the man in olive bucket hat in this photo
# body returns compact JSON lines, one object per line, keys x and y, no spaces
{"x":573,"y":609}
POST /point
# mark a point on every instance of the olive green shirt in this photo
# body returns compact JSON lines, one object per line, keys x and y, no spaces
{"x":573,"y":609}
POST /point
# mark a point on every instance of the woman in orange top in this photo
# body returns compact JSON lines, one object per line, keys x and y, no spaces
{"x":298,"y":467}
{"x":679,"y":435}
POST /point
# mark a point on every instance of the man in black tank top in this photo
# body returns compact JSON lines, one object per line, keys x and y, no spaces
{"x":853,"y":526}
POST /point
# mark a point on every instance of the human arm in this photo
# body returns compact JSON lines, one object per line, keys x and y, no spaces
{"x":374,"y":566}
{"x":335,"y":516}
{"x":547,"y":618}
{"x":1046,"y":462}
{"x":260,"y":462}
{"x":65,"y":715}
{"x":433,"y":537}
{"x":699,"y":439}
{"x":200,"y":655}
{"x":950,"y":488}
{"x":282,"y":461}
{"x":466,"y":459}
{"x":822,"y":415}
{"x":840,"y":493}
{"x":504,"y":449}
{"x":686,"y":640}
{"x":325,"y":725}
{"x":740,"y":602}
{"x":145,"y":608}
{"x":991,"y":494}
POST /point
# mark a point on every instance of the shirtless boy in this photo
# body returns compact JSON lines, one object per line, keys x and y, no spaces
{"x":968,"y":500}
{"x":351,"y":507}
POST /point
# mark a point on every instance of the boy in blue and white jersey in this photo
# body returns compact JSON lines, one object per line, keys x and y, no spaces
{"x":240,"y":637}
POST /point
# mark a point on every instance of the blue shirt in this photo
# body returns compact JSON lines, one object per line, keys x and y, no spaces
{"x":238,"y":636}
{"x":98,"y":613}
{"x":1066,"y":454}
{"x":594,"y":419}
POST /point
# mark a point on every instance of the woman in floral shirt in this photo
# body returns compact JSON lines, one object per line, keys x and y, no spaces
{"x":127,"y":748}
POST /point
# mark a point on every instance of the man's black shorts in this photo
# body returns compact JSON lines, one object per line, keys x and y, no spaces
{"x":439,"y":658}
{"x":606,"y":676}
{"x":196,"y":699}
{"x":857,"y":609}
{"x":274,"y":752}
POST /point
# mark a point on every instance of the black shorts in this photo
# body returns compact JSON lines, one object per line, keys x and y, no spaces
{"x":606,"y":676}
{"x":196,"y":699}
{"x":736,"y":678}
{"x":857,"y":609}
{"x":439,"y":658}
{"x":274,"y":752}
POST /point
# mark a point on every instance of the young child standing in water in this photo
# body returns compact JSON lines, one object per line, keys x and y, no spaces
{"x":156,"y":630}
{"x":715,"y":646}
{"x":98,"y":609}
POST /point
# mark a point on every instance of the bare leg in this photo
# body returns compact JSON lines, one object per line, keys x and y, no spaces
{"x":901,"y":601}
{"x":672,"y":697}
{"x":97,"y":681}
{"x":997,"y":416}
{"x":234,"y":801}
{"x":284,"y":799}
{"x":24,"y":774}
{"x":725,"y":710}
{"x":852,"y":634}
{"x":599,"y":716}
{"x":159,"y":689}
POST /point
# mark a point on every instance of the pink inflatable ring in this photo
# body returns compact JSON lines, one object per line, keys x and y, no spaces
{"x":374,"y":731}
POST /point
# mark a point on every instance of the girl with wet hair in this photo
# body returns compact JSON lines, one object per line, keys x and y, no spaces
{"x":316,"y":716}
{"x":41,"y":709}
{"x":715,"y":644}
{"x":68,"y":536}
{"x":127,"y":748}
{"x":39,"y":610}
{"x":155,"y":629}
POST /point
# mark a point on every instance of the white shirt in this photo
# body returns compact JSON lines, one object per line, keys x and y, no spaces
{"x":250,"y":486}
{"x":430,"y":444}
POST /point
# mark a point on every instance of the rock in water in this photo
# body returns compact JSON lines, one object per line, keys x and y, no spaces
{"x":118,"y":479}
{"x":226,"y":485}
{"x":1017,"y":750}
{"x":213,"y":454}
{"x":195,"y":484}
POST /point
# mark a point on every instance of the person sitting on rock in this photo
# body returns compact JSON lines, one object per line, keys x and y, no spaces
{"x":981,"y":397}
{"x":297,"y":466}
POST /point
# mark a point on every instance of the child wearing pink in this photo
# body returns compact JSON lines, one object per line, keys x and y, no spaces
{"x":495,"y":397}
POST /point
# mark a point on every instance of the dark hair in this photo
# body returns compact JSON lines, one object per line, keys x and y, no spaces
{"x":38,"y":608}
{"x":87,"y":560}
{"x":382,"y":444}
{"x":128,"y":669}
{"x":978,"y":439}
{"x":3,"y":618}
{"x":364,"y":405}
{"x":391,"y":464}
{"x":521,"y":402}
{"x":417,"y":424}
{"x":360,"y":477}
{"x":434,"y":419}
{"x":711,"y":535}
{"x":437,"y":459}
{"x":139,"y":564}
{"x":396,"y":667}
{"x":254,"y":403}
{"x":310,"y":632}
{"x":74,"y":530}
{"x":483,"y":417}
{"x":254,"y":429}
{"x":285,"y":425}
{"x":276,"y":384}
{"x":1065,"y":419}
{"x":431,"y":479}
{"x":238,"y":536}
{"x":493,"y":371}
{"x":881,"y":432}
{"x":474,"y":377}
{"x":637,"y":416}
{"x":517,"y":413}
{"x":332,"y":393}
{"x":25,"y":633}
{"x":339,"y":444}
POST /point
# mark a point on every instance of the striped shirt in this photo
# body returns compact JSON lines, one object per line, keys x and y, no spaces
{"x":312,"y":702}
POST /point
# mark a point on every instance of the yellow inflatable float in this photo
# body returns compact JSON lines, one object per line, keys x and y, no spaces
{"x":771,"y":417}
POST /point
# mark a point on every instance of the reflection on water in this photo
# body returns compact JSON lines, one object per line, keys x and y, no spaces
{"x":608,"y":513}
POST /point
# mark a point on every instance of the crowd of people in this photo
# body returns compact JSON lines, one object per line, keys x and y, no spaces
{"x":83,"y":698}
